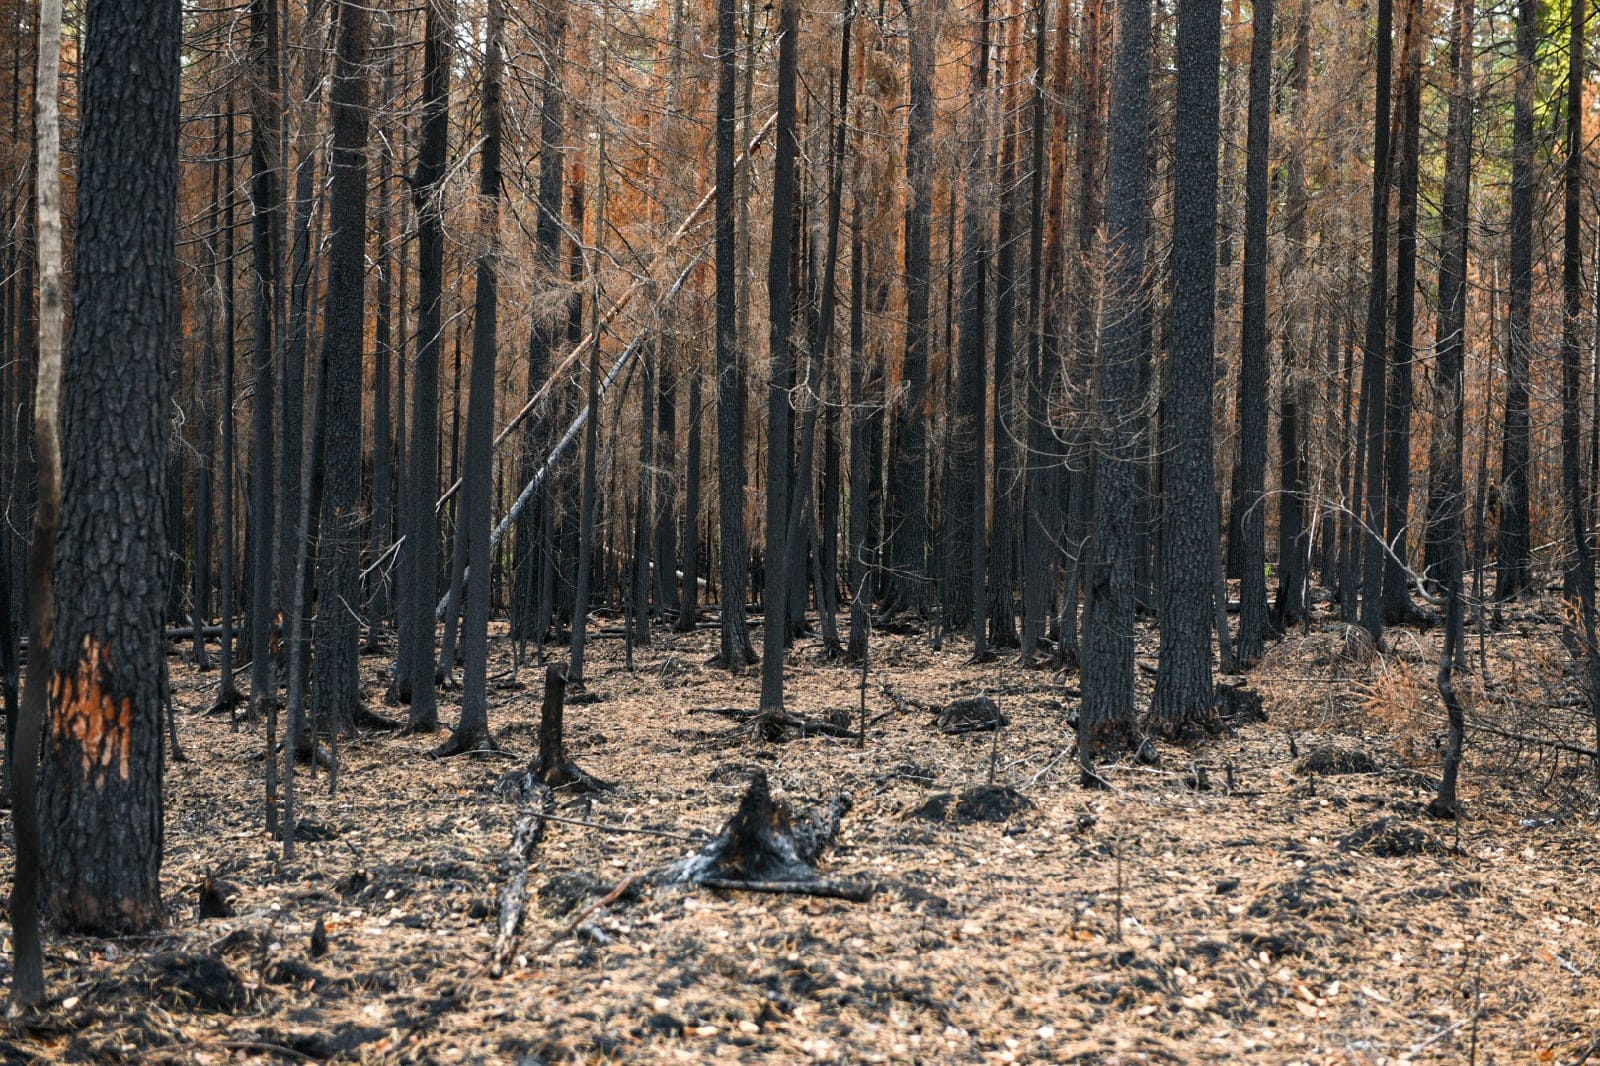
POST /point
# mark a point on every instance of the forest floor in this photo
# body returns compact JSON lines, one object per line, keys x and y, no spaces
{"x":1156,"y":922}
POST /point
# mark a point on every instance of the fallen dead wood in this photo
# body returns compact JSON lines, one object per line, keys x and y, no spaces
{"x":855,"y":893}
{"x":1525,"y":738}
{"x":525,"y":837}
{"x":785,"y":725}
{"x":583,"y":915}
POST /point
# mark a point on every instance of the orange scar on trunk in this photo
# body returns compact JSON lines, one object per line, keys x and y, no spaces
{"x":83,"y":710}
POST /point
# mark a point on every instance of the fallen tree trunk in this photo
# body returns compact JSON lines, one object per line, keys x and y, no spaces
{"x":537,"y":801}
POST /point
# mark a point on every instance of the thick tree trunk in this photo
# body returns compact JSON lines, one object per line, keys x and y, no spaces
{"x":101,"y":796}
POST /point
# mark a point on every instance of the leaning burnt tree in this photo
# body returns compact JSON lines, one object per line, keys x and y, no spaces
{"x":101,"y":794}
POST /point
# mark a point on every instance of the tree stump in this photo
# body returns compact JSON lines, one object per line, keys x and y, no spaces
{"x":762,"y":849}
{"x":553,"y":767}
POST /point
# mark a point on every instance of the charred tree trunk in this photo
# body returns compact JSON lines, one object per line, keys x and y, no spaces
{"x":1397,"y":606}
{"x":908,"y":496}
{"x":1514,"y":575}
{"x":101,"y":795}
{"x":422,"y":535}
{"x":736,"y":651}
{"x":1106,"y":724}
{"x":336,"y":681}
{"x":1184,"y":700}
{"x":472,"y":731}
{"x":1250,"y":505}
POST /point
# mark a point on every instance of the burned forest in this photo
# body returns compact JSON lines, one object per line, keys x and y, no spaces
{"x":937,"y":531}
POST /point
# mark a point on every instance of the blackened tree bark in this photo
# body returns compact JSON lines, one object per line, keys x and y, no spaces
{"x":1008,"y":477}
{"x":908,"y":494}
{"x":861,"y":546}
{"x":472,"y":731}
{"x":1293,"y":538}
{"x":1397,"y":606}
{"x":736,"y":651}
{"x":1373,"y":343}
{"x":689,"y":592}
{"x":1106,"y":724}
{"x":1184,"y":701}
{"x":966,"y":499}
{"x":306,"y":207}
{"x":1446,"y":505}
{"x":336,"y":680}
{"x":545,"y":329}
{"x":1037,"y":534}
{"x":266,"y":228}
{"x":422,"y":535}
{"x":1514,"y":574}
{"x":665,"y":548}
{"x":1579,"y":571}
{"x":380,"y":534}
{"x":1250,"y":507}
{"x":781,"y":375}
{"x":101,"y":795}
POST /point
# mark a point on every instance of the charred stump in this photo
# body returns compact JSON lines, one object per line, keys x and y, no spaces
{"x":553,"y":767}
{"x":763,"y":848}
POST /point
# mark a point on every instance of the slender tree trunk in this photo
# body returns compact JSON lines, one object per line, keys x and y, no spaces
{"x":422,"y":549}
{"x":1373,"y":344}
{"x":908,"y":498}
{"x":1106,"y":724}
{"x":1397,"y":462}
{"x":1578,"y":579}
{"x":689,"y":591}
{"x":1294,"y":539}
{"x":1514,"y":569}
{"x":775,"y":596}
{"x":736,"y":651}
{"x":472,"y":731}
{"x":1250,"y":505}
{"x":1184,"y":701}
{"x":1445,"y":514}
